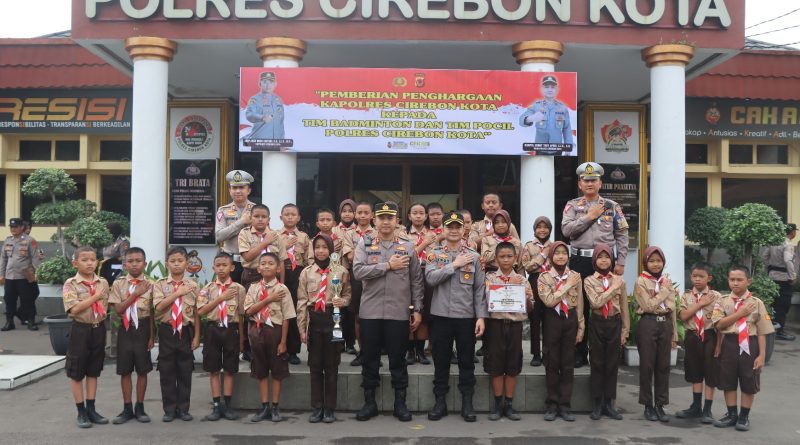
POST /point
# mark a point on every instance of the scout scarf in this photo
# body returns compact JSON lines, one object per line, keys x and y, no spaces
{"x":420,"y":237}
{"x":741,"y":325}
{"x":263,"y":314}
{"x":97,"y":306}
{"x":546,"y":264}
{"x":658,"y":283}
{"x":222,"y":307}
{"x":605,"y":274}
{"x":606,"y":286}
{"x":290,"y":251}
{"x":560,"y":281}
{"x":261,"y":236}
{"x":131,"y":314}
{"x":699,"y":320}
{"x":319,"y":306}
{"x":176,"y":319}
{"x":487,"y":224}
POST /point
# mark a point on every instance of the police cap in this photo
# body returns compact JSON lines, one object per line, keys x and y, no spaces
{"x":267,"y":75}
{"x":454,"y":217}
{"x":549,"y":79}
{"x":386,"y":208}
{"x":16,"y":222}
{"x":589,"y":170}
{"x":239,"y":177}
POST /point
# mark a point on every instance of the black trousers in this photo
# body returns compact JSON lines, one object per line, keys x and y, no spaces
{"x":293,"y":336}
{"x":350,"y":313}
{"x":605,"y":336}
{"x":559,"y":358}
{"x":444,"y":331}
{"x":783,"y":303}
{"x":175,"y":365}
{"x":324,"y":356}
{"x":654,"y":340}
{"x":582,"y":265}
{"x":236,"y":275}
{"x":23,"y":292}
{"x":536,"y":316}
{"x":391,"y":335}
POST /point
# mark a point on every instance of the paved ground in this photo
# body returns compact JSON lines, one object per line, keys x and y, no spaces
{"x":43,"y":413}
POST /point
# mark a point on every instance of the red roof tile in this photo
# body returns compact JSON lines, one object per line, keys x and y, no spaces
{"x":751,"y":75}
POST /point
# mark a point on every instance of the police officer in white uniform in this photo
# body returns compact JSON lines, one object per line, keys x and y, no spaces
{"x":233,"y":217}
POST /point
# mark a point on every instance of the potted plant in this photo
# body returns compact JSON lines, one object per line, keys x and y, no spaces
{"x":703,"y":228}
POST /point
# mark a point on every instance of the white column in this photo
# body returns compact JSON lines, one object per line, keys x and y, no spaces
{"x":537,"y":173}
{"x":151,"y":56}
{"x":667,"y":65}
{"x":279,"y":168}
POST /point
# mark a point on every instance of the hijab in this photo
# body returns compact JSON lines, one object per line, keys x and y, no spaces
{"x":559,"y":269}
{"x":329,"y":242}
{"x":648,"y":252}
{"x":598,"y":249}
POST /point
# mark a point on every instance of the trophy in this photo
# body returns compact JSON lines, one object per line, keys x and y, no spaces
{"x":337,"y":286}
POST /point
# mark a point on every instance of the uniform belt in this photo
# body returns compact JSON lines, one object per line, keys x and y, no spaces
{"x":581,"y":252}
{"x":93,"y":325}
{"x":237,"y":258}
{"x":776,"y":269}
{"x":658,"y":318}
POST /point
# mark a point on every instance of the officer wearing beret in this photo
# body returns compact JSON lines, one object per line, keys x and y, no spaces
{"x":392,"y":281}
{"x":588,"y":221}
{"x":782,"y":270}
{"x":549,"y":115}
{"x":265,"y":110}
{"x":17,"y":274}
{"x":233,"y":217}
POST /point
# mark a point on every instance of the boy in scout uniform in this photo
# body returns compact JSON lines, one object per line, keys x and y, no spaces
{"x":175,"y":301}
{"x":222,"y":302}
{"x":550,"y":115}
{"x":392,"y":295}
{"x":324,"y":285}
{"x":353,"y":237}
{"x":18,"y":275}
{"x":501,"y":224}
{"x":743,"y":322}
{"x":458,"y":308}
{"x":699,"y":363}
{"x":608,"y":330}
{"x":86,"y":302}
{"x":297,"y":244}
{"x":657,"y":332}
{"x":269,"y":306}
{"x":423,"y":238}
{"x":534,"y":261}
{"x":233,"y":217}
{"x":257,"y":240}
{"x":490,"y":204}
{"x":502,"y":359}
{"x":132,"y":300}
{"x":347,"y":222}
{"x":265,"y":110}
{"x":561,"y":292}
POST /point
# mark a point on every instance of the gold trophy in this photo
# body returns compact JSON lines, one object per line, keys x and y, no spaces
{"x":336,"y":272}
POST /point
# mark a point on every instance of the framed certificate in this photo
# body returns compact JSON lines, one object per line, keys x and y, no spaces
{"x":507,"y":298}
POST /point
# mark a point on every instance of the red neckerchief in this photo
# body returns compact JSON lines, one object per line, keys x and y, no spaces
{"x":546,"y":264}
{"x":131,"y":314}
{"x":658,"y":283}
{"x":699,"y":320}
{"x":263,"y":314}
{"x":290,"y":251}
{"x":562,"y":307}
{"x":97,"y":306}
{"x":420,"y":235}
{"x":176,"y":318}
{"x":319,"y":306}
{"x":606,"y":279}
{"x":741,"y":324}
{"x":501,"y":239}
{"x":222,"y":307}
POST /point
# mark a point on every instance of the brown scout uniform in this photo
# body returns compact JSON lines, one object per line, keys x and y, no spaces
{"x":489,"y":244}
{"x":87,"y":335}
{"x":607,"y":329}
{"x":535,"y":262}
{"x":221,"y":343}
{"x":302,"y":249}
{"x":132,"y":352}
{"x":656,"y":331}
{"x":250,"y":237}
{"x":423,"y":331}
{"x":478,"y":231}
{"x":699,"y":363}
{"x":503,"y":337}
{"x":264,"y":339}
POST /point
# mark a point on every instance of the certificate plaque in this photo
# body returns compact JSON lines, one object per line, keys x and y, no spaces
{"x":507,"y":298}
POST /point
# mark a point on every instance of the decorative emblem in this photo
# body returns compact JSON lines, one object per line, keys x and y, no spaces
{"x":194,"y":133}
{"x":615,"y":135}
{"x":385,"y":207}
{"x":712,"y":114}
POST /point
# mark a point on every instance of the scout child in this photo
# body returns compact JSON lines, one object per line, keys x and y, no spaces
{"x":222,"y":302}
{"x":501,"y":224}
{"x":324,"y":285}
{"x":534,"y":261}
{"x":423,"y":238}
{"x":347,"y":222}
{"x":326,"y":223}
{"x":467,"y":225}
{"x":86,"y":301}
{"x":502,"y":358}
{"x":347,"y":215}
{"x":132,"y":300}
{"x":743,"y":322}
{"x":257,"y":240}
{"x":458,"y":308}
{"x":363,"y":229}
{"x":699,"y":363}
{"x":657,"y":332}
{"x":490,"y":204}
{"x":296,"y":243}
{"x":608,"y":330}
{"x":269,"y":306}
{"x":175,"y":301}
{"x":561,"y":292}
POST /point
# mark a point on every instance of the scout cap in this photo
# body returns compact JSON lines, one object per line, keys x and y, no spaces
{"x":239,"y":177}
{"x":589,"y":170}
{"x":386,"y":208}
{"x":454,"y":217}
{"x":15,"y":222}
{"x":791,"y":227}
{"x":267,"y":75}
{"x":549,"y":79}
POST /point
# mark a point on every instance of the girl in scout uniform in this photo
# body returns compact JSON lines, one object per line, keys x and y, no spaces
{"x":323,"y":286}
{"x":422,"y":238}
{"x":561,"y":291}
{"x":657,"y":332}
{"x":363,"y":228}
{"x":347,"y":222}
{"x":501,"y":224}
{"x":534,"y":261}
{"x":347,"y":215}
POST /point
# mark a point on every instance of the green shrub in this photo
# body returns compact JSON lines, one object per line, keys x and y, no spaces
{"x":55,"y":270}
{"x":106,"y":217}
{"x":703,"y":227}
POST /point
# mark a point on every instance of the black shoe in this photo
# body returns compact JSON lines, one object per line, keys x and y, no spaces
{"x":216,"y":413}
{"x":510,"y":413}
{"x":422,"y":358}
{"x":186,"y":417}
{"x":536,"y":361}
{"x":294,"y":359}
{"x":479,"y":352}
{"x":728,"y":420}
{"x":124,"y":416}
{"x":138,"y":411}
{"x":580,"y":362}
{"x":400,"y":408}
{"x":779,"y":336}
{"x":610,"y":411}
{"x":597,"y":411}
{"x":94,"y":416}
{"x":276,"y":414}
{"x":650,"y":413}
{"x":707,"y":417}
{"x":328,"y":416}
{"x":83,"y":420}
{"x":693,"y":412}
{"x":264,"y":414}
{"x":246,"y":356}
{"x":168,"y":417}
{"x":351,"y":350}
{"x":566,"y":415}
{"x":370,"y":408}
{"x":10,"y":326}
{"x":467,"y":410}
{"x":228,"y":413}
{"x":743,"y":423}
{"x":32,"y":325}
{"x":662,"y":416}
{"x":550,"y":415}
{"x":497,"y":410}
{"x":356,"y":361}
{"x":454,"y":358}
{"x":439,"y":409}
{"x":316,"y":416}
{"x":410,"y":357}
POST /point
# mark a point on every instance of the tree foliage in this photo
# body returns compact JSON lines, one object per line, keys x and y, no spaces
{"x":106,"y":217}
{"x":703,"y":228}
{"x":752,"y":225}
{"x":89,"y":231}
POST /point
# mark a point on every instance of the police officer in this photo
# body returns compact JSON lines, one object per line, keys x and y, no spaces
{"x":233,"y":217}
{"x":392,"y":295}
{"x":458,"y":308}
{"x":550,"y":115}
{"x":587,"y":221}
{"x":781,"y":268}
{"x":17,"y":273}
{"x":265,"y":110}
{"x":111,"y":267}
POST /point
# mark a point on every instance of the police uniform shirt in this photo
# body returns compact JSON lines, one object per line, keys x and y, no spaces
{"x":117,"y":249}
{"x":552,"y":297}
{"x":478,"y":231}
{"x":489,"y":245}
{"x":75,"y":290}
{"x":456,"y":293}
{"x":125,"y":286}
{"x":166,"y":287}
{"x":234,"y":307}
{"x":499,"y":278}
{"x":17,"y":257}
{"x":782,"y":257}
{"x":302,"y":247}
{"x":260,"y":105}
{"x":598,"y":297}
{"x":533,"y":259}
{"x":251,"y":237}
{"x":610,"y":228}
{"x":648,"y":301}
{"x":309,"y":288}
{"x":690,"y":298}
{"x":278,"y":310}
{"x":387,"y":293}
{"x":228,"y":226}
{"x":555,"y":127}
{"x":758,"y":322}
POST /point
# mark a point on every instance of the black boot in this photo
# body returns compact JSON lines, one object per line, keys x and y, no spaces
{"x":276,"y":413}
{"x":597,"y":411}
{"x":708,"y":417}
{"x":743,"y":422}
{"x":370,"y":408}
{"x":9,"y":326}
{"x":400,"y":409}
{"x":410,"y":357}
{"x":536,"y":360}
{"x":694,"y":410}
{"x":83,"y":418}
{"x":125,"y":415}
{"x":264,"y":414}
{"x":610,"y":411}
{"x":728,"y":420}
{"x":138,"y":411}
{"x":467,"y":411}
{"x":227,"y":412}
{"x":497,"y":409}
{"x":328,"y":416}
{"x":316,"y":416}
{"x":650,"y":413}
{"x":509,"y":412}
{"x":216,"y":412}
{"x":662,"y":416}
{"x":439,"y":408}
{"x":421,"y":357}
{"x":32,"y":324}
{"x":93,"y":415}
